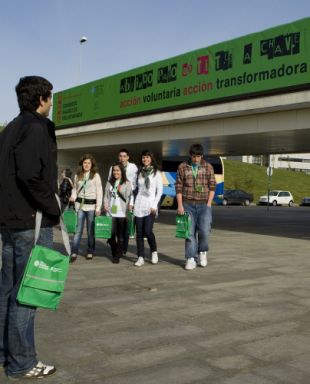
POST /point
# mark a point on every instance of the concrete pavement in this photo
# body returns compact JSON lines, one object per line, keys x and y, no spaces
{"x":244,"y":319}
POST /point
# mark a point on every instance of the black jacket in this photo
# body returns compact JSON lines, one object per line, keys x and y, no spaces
{"x":28,"y":172}
{"x":65,"y":190}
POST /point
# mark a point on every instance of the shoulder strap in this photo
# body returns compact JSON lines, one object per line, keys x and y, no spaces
{"x":64,"y":232}
{"x":82,"y":186}
{"x":119,"y":194}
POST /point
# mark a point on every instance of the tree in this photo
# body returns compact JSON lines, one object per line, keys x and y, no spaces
{"x":2,"y":126}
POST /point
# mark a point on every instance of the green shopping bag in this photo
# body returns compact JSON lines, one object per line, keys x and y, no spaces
{"x":44,"y":278}
{"x":70,"y":220}
{"x":131,"y":224}
{"x":183,"y":226}
{"x":103,"y":227}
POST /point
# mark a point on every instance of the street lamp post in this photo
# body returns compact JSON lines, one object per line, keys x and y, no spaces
{"x":83,"y":40}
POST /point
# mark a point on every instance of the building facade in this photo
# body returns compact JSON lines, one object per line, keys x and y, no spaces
{"x":297,"y":162}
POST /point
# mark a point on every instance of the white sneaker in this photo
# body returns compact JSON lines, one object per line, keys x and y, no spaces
{"x":39,"y":371}
{"x":139,"y":262}
{"x":154,"y":257}
{"x":190,"y":264}
{"x":203,"y":259}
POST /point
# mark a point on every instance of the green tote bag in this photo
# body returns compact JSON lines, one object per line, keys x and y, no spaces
{"x":103,"y":227}
{"x":70,"y":220}
{"x":45,"y":275}
{"x":131,"y":224}
{"x":183,"y":226}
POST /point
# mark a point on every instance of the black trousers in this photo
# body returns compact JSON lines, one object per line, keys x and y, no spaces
{"x":117,"y":238}
{"x":125,"y":238}
{"x":144,"y":228}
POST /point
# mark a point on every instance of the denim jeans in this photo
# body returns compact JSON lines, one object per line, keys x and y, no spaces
{"x":89,"y":216}
{"x":201,"y":216}
{"x":144,"y":227}
{"x":17,"y":345}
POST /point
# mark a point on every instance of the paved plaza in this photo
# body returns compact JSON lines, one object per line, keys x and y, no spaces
{"x":244,"y":319}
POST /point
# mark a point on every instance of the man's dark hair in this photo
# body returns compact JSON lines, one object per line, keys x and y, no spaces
{"x":124,"y":150}
{"x":196,"y":149}
{"x":30,"y":89}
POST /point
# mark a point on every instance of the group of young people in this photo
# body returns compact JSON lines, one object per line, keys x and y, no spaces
{"x":28,"y":184}
{"x":128,"y":188}
{"x":139,"y":190}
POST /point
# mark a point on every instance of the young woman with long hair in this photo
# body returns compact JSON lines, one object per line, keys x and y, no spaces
{"x":116,"y":199}
{"x":150,"y":189}
{"x":87,"y":195}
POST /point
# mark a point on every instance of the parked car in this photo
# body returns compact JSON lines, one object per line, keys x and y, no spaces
{"x":277,"y":198}
{"x":237,"y":196}
{"x":305,"y":202}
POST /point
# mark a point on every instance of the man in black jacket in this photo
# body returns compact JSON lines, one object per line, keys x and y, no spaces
{"x":28,"y":183}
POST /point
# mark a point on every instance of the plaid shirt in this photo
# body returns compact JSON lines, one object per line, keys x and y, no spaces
{"x":185,"y":183}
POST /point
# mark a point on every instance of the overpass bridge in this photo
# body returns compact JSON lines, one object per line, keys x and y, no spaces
{"x":247,"y":96}
{"x":261,"y":125}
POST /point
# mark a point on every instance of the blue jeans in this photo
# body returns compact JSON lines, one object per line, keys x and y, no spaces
{"x":144,"y":227}
{"x":17,"y":345}
{"x":201,"y":216}
{"x":89,"y":216}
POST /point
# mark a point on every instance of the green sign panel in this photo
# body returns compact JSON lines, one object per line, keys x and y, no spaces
{"x":274,"y":60}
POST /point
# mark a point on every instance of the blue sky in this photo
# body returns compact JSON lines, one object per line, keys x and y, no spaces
{"x":42,"y":37}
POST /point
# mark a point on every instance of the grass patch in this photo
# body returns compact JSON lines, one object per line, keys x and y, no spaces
{"x":253,"y":178}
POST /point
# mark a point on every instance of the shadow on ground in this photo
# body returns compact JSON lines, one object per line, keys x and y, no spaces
{"x":292,"y":222}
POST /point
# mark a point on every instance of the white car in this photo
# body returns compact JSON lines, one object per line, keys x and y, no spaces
{"x":277,"y":198}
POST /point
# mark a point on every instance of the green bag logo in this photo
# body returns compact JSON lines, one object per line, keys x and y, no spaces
{"x":41,"y":265}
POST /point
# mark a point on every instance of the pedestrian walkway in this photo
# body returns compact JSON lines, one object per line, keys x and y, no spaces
{"x":244,"y":319}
